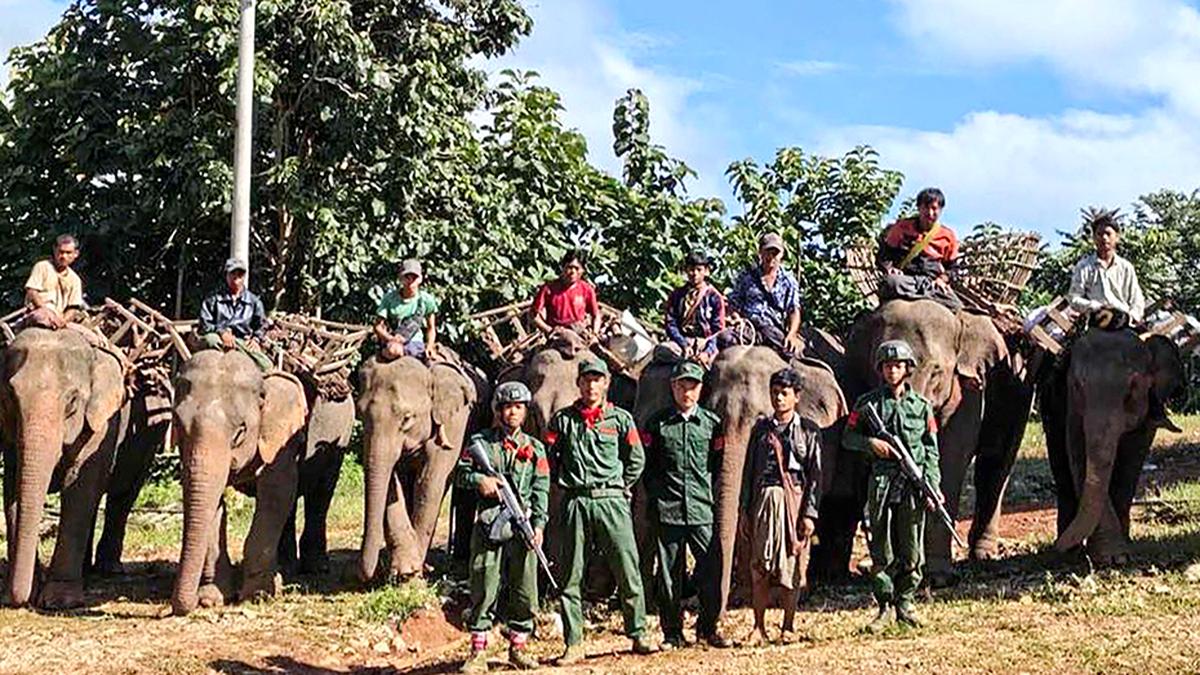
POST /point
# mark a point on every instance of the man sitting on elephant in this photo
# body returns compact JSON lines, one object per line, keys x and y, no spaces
{"x":569,"y":302}
{"x":917,"y":254}
{"x":597,"y":456}
{"x":1106,"y":281}
{"x":54,"y":292}
{"x":234,"y":318}
{"x":696,"y":312}
{"x":895,"y":508}
{"x":768,"y":296}
{"x":522,"y":460}
{"x":779,"y":499}
{"x":406,"y":323}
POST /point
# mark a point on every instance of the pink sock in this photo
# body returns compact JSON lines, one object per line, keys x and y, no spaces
{"x":517,"y":640}
{"x":478,"y":641}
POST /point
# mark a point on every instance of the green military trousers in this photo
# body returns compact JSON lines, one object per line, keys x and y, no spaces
{"x":897,"y":546}
{"x":514,"y":564}
{"x":605,"y":524}
{"x":213,"y":341}
{"x":673,"y":542}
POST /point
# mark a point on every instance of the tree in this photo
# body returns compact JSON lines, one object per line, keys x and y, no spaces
{"x":821,"y":206}
{"x":120,"y":129}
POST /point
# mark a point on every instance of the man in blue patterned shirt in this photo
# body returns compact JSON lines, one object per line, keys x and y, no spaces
{"x":768,"y":296}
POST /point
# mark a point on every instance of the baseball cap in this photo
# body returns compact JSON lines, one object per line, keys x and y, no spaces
{"x":235,"y":264}
{"x":411,"y":266}
{"x":771,"y":240}
{"x":593,"y":366}
{"x":687,"y":370}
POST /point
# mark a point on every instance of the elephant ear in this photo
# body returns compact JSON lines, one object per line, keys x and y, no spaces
{"x":451,"y":391}
{"x":980,"y":346}
{"x":1166,"y":366}
{"x":284,"y":413}
{"x":108,"y":390}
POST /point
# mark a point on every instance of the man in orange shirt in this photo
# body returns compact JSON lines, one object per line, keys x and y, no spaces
{"x":917,"y":254}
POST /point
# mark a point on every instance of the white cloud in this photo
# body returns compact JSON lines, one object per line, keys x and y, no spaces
{"x":580,"y":52}
{"x":24,"y":21}
{"x":809,"y":68}
{"x":1037,"y":171}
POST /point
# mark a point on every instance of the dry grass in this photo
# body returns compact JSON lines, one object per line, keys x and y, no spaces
{"x":1032,"y":612}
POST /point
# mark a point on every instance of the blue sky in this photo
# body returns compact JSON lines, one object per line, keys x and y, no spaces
{"x":1022,"y":111}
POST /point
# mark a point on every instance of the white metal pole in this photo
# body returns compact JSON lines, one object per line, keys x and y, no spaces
{"x":239,"y":243}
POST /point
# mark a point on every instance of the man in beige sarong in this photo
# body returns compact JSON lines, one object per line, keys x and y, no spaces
{"x":780,"y":496}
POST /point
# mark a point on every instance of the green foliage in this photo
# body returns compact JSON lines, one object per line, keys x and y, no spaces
{"x":396,"y":603}
{"x":820,"y":205}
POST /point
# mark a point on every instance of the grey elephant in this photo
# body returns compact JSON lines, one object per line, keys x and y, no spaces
{"x":738,"y":391}
{"x":59,"y":403}
{"x":145,"y":420}
{"x":981,"y":394}
{"x":1096,"y":412}
{"x":326,"y":437}
{"x":234,"y":426}
{"x":415,"y":418}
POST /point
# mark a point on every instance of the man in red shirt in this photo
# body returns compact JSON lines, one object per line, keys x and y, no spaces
{"x":917,"y":254}
{"x":568,"y":302}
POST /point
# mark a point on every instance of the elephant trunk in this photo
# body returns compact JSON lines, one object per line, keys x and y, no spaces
{"x":1102,"y":438}
{"x":380,"y":462}
{"x":728,"y":488}
{"x":40,"y":448}
{"x":206,"y":462}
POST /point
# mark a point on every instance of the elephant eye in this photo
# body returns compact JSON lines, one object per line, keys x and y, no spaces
{"x":72,"y":403}
{"x":239,"y":435}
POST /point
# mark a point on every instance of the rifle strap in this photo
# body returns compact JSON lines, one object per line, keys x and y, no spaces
{"x":791,"y":500}
{"x":919,"y":246}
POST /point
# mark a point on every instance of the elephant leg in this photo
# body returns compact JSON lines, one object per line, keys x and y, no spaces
{"x":1131,"y":457}
{"x":130,"y":474}
{"x":430,"y":489}
{"x":217,"y":573}
{"x":1052,"y":407}
{"x":1006,"y":413}
{"x":82,"y":488}
{"x":462,"y":510}
{"x":286,"y":554}
{"x":314,"y":547}
{"x":274,"y":500}
{"x":956,"y":445}
{"x":401,"y":538}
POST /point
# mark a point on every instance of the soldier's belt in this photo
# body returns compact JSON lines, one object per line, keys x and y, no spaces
{"x":594,"y":493}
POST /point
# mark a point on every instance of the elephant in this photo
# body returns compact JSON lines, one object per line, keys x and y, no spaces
{"x":234,"y":426}
{"x":407,"y":461}
{"x":981,"y":390}
{"x":145,"y":420}
{"x":738,"y":391}
{"x":60,"y":398}
{"x":1096,"y":414}
{"x":326,"y":437}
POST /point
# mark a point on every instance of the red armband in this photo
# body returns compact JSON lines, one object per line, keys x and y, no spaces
{"x":542,"y":467}
{"x":852,"y":421}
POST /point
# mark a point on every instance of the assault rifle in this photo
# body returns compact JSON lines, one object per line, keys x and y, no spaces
{"x":930,"y":493}
{"x":510,"y":507}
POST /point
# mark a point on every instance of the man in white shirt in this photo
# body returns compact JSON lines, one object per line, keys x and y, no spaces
{"x":1104,"y":280}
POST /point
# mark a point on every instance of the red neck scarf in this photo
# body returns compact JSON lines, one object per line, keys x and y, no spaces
{"x":524,"y":452}
{"x":591,"y":415}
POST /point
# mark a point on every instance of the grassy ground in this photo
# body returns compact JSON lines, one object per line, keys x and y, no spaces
{"x":1034,"y":611}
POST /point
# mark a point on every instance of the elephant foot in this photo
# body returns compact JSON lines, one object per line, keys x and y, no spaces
{"x":315,"y":564}
{"x":942,"y":578}
{"x":62,"y":595}
{"x":261,"y":586}
{"x":1108,"y":553}
{"x":108,"y":568}
{"x":985,"y":549}
{"x":211,"y":596}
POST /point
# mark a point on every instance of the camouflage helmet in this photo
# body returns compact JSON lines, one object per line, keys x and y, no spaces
{"x":894,"y":350}
{"x":510,"y":392}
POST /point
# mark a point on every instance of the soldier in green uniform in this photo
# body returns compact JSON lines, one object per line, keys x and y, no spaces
{"x":597,"y":457}
{"x":683,"y":444}
{"x":895,"y":507}
{"x":522,"y":460}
